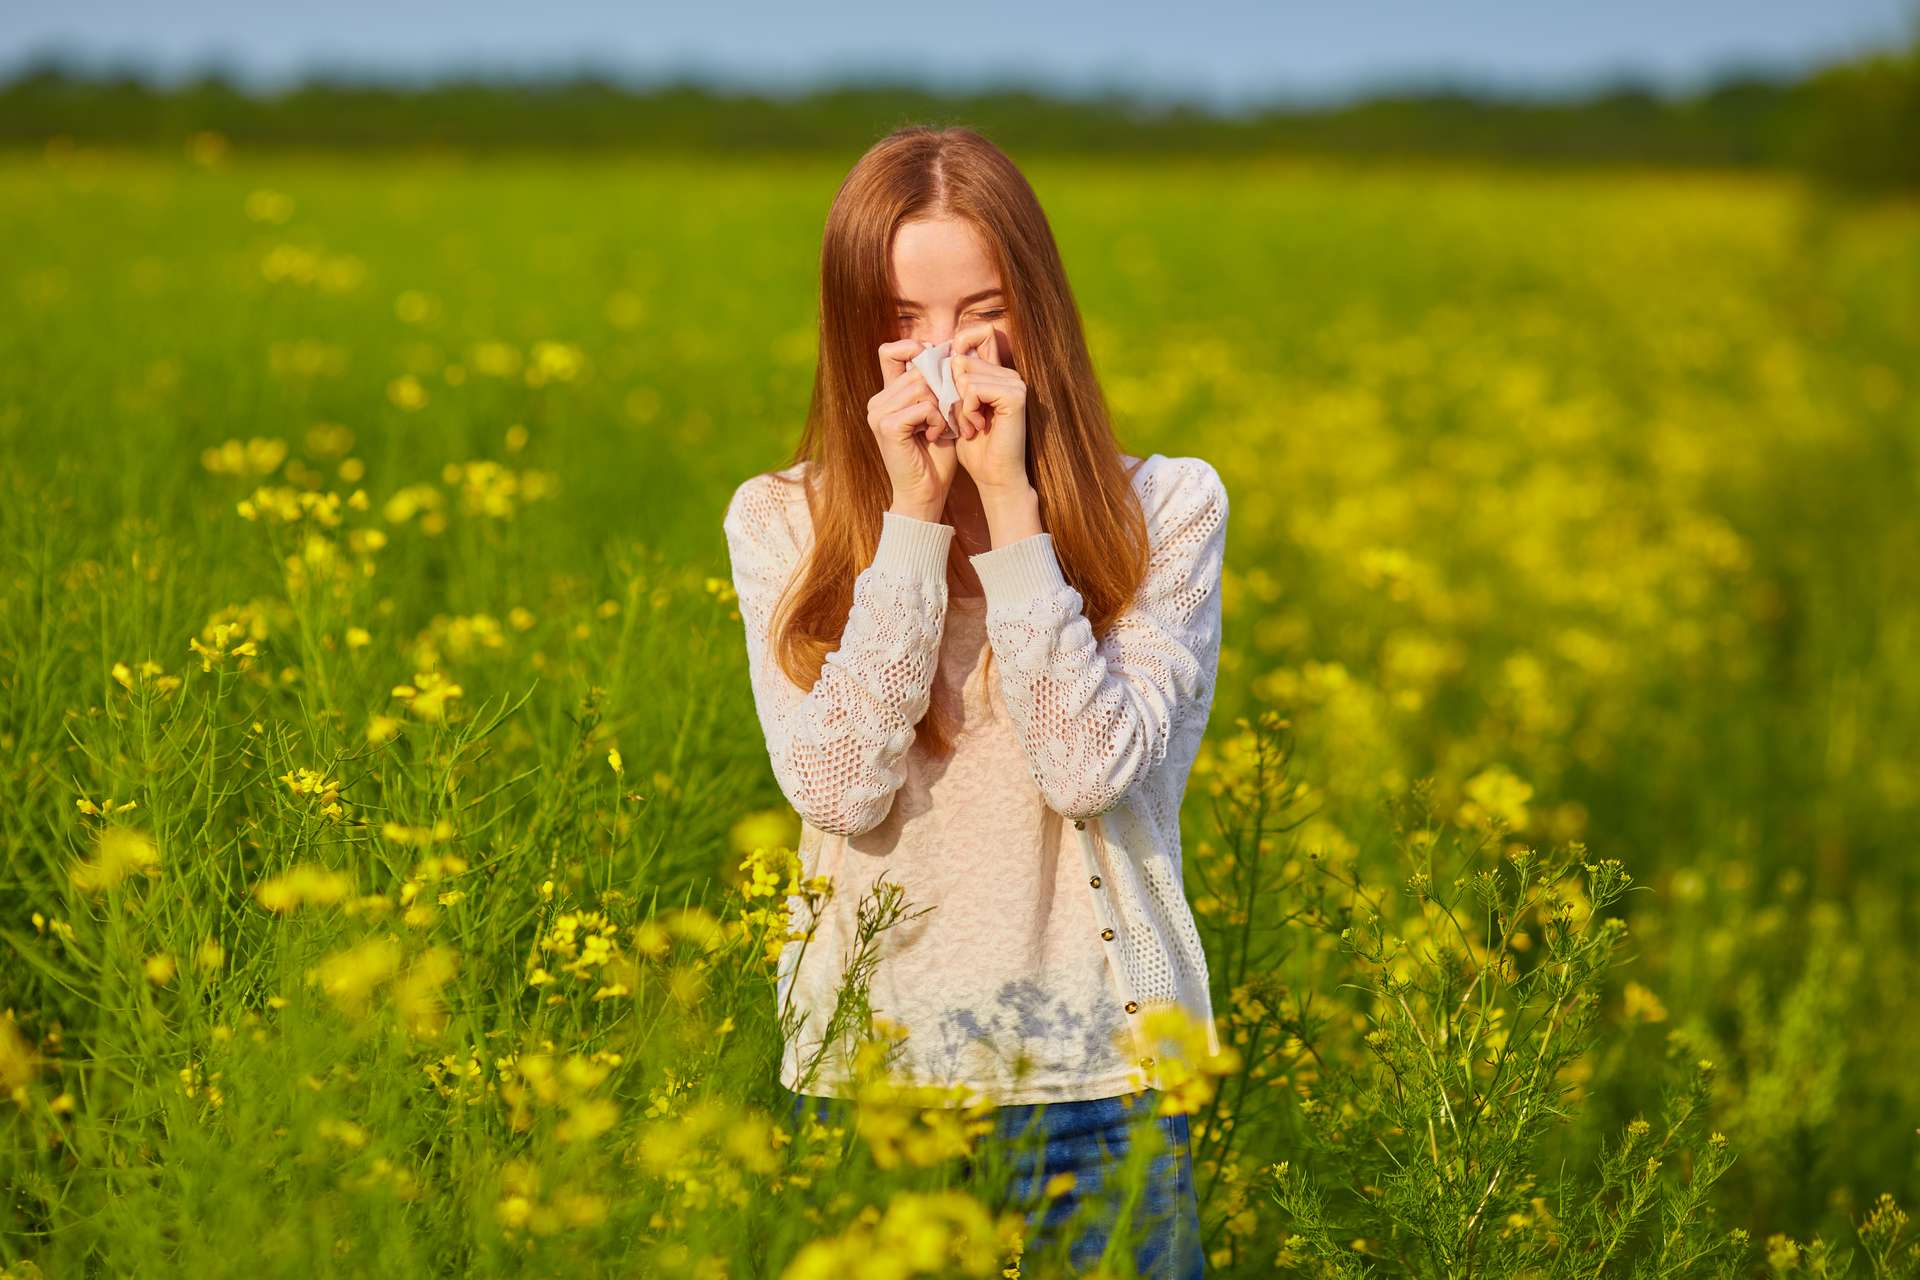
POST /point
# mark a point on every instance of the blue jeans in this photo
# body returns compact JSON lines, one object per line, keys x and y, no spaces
{"x":1035,"y":1141}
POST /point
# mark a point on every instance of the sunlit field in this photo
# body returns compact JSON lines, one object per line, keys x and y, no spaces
{"x":393,"y":871}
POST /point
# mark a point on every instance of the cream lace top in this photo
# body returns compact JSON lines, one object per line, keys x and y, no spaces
{"x":1001,"y":985}
{"x":1006,"y":984}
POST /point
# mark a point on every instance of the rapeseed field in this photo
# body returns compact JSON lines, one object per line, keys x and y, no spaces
{"x":393,"y":872}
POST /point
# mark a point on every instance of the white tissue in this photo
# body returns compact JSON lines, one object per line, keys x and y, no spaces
{"x":937,"y":366}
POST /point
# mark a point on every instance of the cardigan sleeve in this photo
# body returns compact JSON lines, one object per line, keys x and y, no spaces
{"x":836,"y":747}
{"x":1094,"y":717}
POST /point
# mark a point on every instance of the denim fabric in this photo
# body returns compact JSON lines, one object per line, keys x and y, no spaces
{"x":1031,"y":1142}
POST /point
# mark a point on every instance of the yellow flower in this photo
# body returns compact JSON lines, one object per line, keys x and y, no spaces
{"x":160,"y":969}
{"x":320,"y":789}
{"x":1188,"y":1072}
{"x":1643,"y":1005}
{"x":613,"y":758}
{"x":695,"y":924}
{"x":102,"y":810}
{"x":345,"y":1132}
{"x":495,"y":359}
{"x":148,"y":672}
{"x":587,"y":1118}
{"x":764,"y":827}
{"x":350,"y":976}
{"x":416,"y":996}
{"x":121,"y":851}
{"x":428,"y":695}
{"x":1496,"y":792}
{"x":920,"y":1233}
{"x":412,"y":500}
{"x":554,"y":362}
{"x":1783,"y":1253}
{"x":198,"y":1082}
{"x":489,"y":489}
{"x":256,"y":457}
{"x":406,"y":392}
{"x":301,"y":885}
{"x":579,"y":1208}
{"x":17,"y":1061}
{"x":513,"y":1211}
{"x":440,"y":865}
{"x":218,"y":652}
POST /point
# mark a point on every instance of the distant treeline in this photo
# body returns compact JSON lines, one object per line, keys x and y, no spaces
{"x":1855,"y":123}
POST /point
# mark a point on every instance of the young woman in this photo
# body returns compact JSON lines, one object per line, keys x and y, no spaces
{"x":982,"y":645}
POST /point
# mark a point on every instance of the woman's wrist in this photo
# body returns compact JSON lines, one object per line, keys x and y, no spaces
{"x":1012,"y":513}
{"x":917,"y":510}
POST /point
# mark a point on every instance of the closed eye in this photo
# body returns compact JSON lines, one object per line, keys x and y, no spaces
{"x":997,"y":311}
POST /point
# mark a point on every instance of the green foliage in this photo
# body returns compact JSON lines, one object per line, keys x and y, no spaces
{"x":1850,"y":123}
{"x":1864,"y":116}
{"x":1466,"y":1005}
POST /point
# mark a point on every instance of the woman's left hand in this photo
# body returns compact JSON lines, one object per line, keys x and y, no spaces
{"x":991,"y":413}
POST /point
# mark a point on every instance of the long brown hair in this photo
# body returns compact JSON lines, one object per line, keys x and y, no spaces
{"x":1085,"y":486}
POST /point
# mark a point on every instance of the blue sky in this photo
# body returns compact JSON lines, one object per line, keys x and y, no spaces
{"x":1225,"y":53}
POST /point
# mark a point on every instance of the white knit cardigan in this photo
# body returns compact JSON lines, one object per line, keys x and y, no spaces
{"x":1109,"y":727}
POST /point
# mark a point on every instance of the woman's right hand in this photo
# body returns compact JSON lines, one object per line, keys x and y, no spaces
{"x":903,"y":415}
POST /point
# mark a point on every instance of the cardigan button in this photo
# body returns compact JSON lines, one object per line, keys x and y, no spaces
{"x":1132,"y":1005}
{"x":1080,"y":824}
{"x":1146,"y":1062}
{"x":1095,"y":882}
{"x":1108,"y":935}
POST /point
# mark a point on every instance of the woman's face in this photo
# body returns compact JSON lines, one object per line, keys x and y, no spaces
{"x":945,"y":282}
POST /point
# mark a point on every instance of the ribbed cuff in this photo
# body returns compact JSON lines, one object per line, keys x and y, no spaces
{"x":912,"y":547}
{"x":1020,"y":570}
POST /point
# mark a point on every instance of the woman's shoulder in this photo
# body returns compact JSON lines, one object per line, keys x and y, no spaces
{"x":771,"y":499}
{"x":1178,"y":486}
